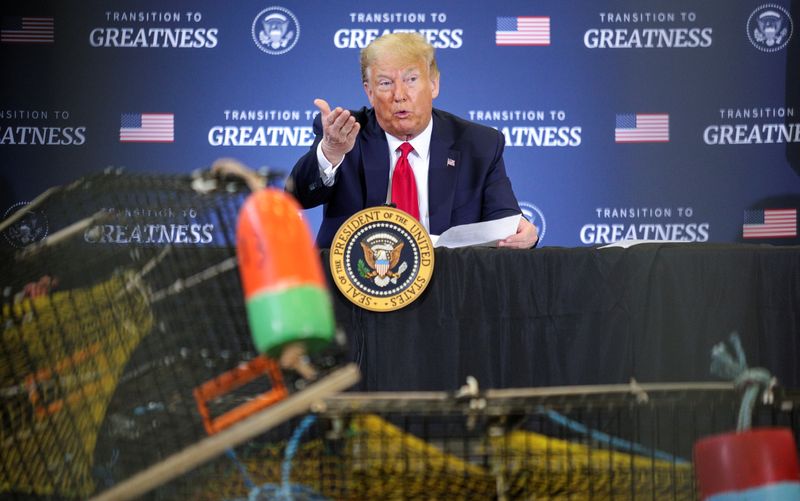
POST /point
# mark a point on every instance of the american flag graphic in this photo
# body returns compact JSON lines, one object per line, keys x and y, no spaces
{"x":27,"y":30}
{"x":642,"y":128}
{"x":770,"y":223}
{"x":147,"y":128}
{"x":523,"y":30}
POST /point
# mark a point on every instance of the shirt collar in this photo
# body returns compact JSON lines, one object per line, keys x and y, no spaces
{"x":421,"y":143}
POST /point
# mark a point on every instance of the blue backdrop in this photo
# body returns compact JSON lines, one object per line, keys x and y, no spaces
{"x":719,"y":76}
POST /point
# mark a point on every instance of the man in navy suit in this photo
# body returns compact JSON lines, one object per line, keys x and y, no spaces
{"x":457,"y":165}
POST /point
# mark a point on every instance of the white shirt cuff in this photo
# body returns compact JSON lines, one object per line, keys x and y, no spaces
{"x":327,"y":171}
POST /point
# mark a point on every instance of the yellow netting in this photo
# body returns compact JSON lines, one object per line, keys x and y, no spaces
{"x":63,"y":355}
{"x":386,"y":463}
{"x":533,"y":464}
{"x":380,"y":461}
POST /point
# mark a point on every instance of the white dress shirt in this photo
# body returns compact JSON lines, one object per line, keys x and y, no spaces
{"x":419,"y":159}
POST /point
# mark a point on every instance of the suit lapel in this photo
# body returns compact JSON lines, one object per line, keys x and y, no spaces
{"x":375,"y":158}
{"x":442,"y":174}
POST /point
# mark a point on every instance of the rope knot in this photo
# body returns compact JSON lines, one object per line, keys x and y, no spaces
{"x":750,"y":380}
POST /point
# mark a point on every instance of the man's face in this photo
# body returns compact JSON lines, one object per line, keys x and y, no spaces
{"x":402,"y":96}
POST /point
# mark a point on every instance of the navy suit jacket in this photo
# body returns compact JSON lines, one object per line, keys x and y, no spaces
{"x":467,"y":180}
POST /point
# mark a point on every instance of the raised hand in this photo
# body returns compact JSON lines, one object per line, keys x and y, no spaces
{"x":339,"y":131}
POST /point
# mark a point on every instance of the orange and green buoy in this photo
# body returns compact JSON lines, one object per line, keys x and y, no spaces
{"x":286,"y":298}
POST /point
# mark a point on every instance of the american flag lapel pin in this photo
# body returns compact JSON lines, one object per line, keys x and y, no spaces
{"x":451,"y":162}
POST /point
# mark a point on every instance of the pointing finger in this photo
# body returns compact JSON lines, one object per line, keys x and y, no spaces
{"x":323,"y":106}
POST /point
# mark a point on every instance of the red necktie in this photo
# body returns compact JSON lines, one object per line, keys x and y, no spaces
{"x":404,"y":188}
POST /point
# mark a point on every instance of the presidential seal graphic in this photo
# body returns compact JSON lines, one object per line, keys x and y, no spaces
{"x":31,"y":227}
{"x":769,"y":28}
{"x":275,"y":30}
{"x":536,"y":217}
{"x":381,"y":259}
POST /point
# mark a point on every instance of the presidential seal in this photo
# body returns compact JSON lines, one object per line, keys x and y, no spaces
{"x":275,"y":30}
{"x":28,"y":229}
{"x":769,"y":28}
{"x":381,"y":259}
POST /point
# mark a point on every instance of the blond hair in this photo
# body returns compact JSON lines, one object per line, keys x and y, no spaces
{"x":405,"y":47}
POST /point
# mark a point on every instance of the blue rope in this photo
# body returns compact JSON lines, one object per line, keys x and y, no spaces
{"x":724,"y":365}
{"x":291,"y":450}
{"x":287,"y":490}
{"x":616,"y":442}
{"x":242,"y":469}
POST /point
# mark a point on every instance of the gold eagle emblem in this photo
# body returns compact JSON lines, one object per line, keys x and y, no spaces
{"x":374,"y":256}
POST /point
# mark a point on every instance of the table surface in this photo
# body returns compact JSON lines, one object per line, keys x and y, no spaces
{"x":568,"y":316}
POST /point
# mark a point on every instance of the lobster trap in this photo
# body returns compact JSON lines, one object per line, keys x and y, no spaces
{"x":626,"y":442}
{"x":121,"y":299}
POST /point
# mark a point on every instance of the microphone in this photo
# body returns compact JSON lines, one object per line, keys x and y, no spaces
{"x":287,"y":301}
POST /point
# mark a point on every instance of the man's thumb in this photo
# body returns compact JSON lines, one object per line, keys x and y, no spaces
{"x":323,"y":106}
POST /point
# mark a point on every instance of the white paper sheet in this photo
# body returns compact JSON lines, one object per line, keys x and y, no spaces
{"x":486,"y":233}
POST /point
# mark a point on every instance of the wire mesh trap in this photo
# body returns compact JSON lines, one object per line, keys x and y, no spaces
{"x":109,"y":323}
{"x":508,"y":448}
{"x":557,"y":444}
